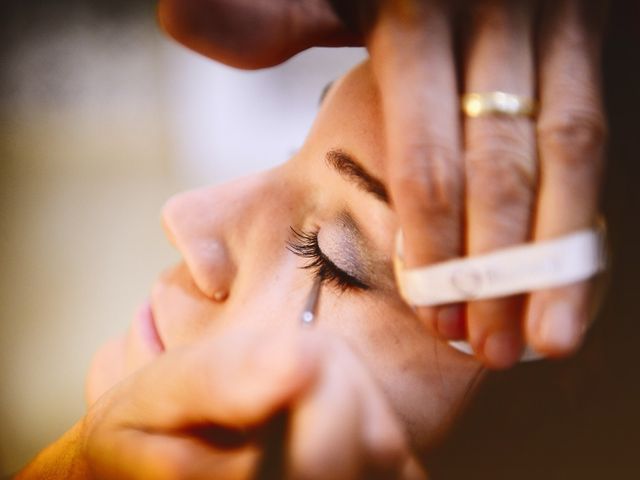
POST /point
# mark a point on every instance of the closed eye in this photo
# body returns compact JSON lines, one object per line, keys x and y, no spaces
{"x":305,"y":245}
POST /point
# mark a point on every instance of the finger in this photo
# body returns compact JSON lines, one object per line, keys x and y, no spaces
{"x":346,"y":422}
{"x":412,"y":58}
{"x":238,"y":379}
{"x":142,"y":455}
{"x":386,"y":449}
{"x":500,"y":162}
{"x":250,"y":34}
{"x":571,"y":137}
{"x":325,"y":440}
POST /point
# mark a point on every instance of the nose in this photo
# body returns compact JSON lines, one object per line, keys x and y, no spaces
{"x":197,"y":223}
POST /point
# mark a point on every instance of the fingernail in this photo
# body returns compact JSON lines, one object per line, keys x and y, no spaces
{"x":502,"y":349}
{"x":559,"y":327}
{"x":451,"y":322}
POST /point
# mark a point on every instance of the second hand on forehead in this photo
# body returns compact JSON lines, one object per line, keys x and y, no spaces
{"x":308,"y":316}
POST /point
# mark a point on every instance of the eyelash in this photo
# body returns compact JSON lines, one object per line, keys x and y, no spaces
{"x":305,"y":245}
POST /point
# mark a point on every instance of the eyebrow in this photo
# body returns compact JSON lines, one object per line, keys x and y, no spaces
{"x":325,"y":92}
{"x":353,"y":171}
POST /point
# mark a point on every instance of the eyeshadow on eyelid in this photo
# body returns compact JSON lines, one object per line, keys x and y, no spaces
{"x":343,"y":242}
{"x":325,"y":91}
{"x":340,"y":250}
{"x":376,"y":268}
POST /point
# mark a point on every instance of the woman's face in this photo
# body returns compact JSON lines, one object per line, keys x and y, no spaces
{"x":241,"y":244}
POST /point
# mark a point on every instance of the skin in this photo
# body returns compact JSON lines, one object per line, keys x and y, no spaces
{"x":366,"y":392}
{"x":461,"y":186}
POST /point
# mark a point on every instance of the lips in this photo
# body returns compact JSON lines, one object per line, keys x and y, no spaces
{"x":148,"y":330}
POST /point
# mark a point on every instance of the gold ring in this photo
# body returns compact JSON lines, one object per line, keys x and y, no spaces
{"x":497,"y":103}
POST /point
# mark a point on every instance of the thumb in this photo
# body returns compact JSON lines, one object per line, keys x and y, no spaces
{"x":238,"y":379}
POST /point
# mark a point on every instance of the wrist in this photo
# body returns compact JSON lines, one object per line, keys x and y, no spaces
{"x":63,"y":459}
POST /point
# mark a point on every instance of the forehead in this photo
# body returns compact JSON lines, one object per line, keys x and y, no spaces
{"x":351,"y":119}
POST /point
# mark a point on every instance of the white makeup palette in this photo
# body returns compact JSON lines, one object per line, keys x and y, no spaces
{"x":515,"y":270}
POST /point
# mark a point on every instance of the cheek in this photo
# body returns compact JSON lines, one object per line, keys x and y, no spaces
{"x":425,"y":380}
{"x":181,"y":312}
{"x":107,"y":369}
{"x":269,"y":292}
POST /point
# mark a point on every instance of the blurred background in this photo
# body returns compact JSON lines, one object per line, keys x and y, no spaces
{"x":101,"y":119}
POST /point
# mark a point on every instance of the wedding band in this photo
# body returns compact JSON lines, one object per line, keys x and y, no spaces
{"x":497,"y":103}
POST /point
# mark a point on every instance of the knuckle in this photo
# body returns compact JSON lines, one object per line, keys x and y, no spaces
{"x":500,"y":133}
{"x":428,"y":178}
{"x":574,"y":135}
{"x":501,"y":175}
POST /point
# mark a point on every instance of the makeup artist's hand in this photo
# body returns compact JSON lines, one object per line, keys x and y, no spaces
{"x":239,"y":406}
{"x":461,"y":186}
